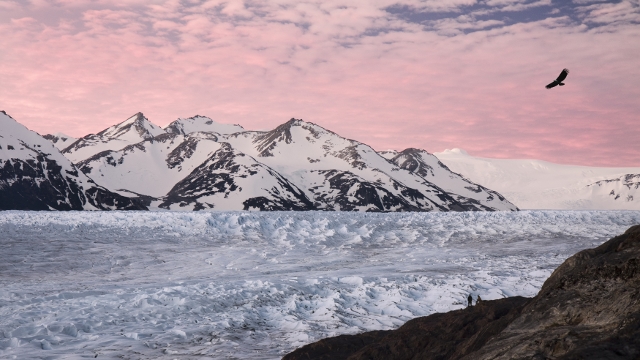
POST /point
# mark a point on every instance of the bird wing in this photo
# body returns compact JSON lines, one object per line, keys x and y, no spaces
{"x":555,"y":83}
{"x":563,"y":75}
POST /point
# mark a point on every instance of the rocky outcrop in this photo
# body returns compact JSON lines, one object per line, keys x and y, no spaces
{"x":588,"y":309}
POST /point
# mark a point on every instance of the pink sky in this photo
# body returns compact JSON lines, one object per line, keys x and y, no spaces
{"x":432,"y":74}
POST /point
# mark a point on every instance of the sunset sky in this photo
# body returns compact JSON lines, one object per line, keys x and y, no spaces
{"x":431,"y":74}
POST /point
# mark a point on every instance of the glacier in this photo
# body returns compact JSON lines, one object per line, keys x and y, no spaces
{"x":256,"y":285}
{"x":536,"y":184}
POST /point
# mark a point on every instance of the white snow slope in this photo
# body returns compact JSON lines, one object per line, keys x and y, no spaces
{"x":200,"y":123}
{"x":536,"y":184}
{"x":246,"y":285}
{"x":151,"y":167}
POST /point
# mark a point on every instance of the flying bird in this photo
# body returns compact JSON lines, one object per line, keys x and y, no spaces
{"x":559,"y":80}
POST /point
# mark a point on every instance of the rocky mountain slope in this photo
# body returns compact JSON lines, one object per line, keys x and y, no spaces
{"x":429,"y":167}
{"x":199,"y":164}
{"x":536,"y":184}
{"x":60,"y":140}
{"x":34,"y":175}
{"x":588,"y":309}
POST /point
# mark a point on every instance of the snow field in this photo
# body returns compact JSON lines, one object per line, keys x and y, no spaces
{"x":245,"y":285}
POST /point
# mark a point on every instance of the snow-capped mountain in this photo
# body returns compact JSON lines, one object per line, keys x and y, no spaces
{"x":536,"y":184}
{"x":131,"y":131}
{"x":342,"y":174}
{"x":60,"y":140}
{"x":428,"y":167}
{"x":34,"y":175}
{"x":201,"y":123}
{"x":231,"y":180}
{"x":297,"y":166}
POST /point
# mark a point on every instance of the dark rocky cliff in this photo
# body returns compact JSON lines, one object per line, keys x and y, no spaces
{"x":588,"y":309}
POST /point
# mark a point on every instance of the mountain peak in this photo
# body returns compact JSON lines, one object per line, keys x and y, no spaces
{"x":137,"y":118}
{"x":9,"y":116}
{"x":135,"y":129}
{"x":138,"y":122}
{"x":295,"y":122}
{"x":61,"y":135}
{"x":267,"y":141}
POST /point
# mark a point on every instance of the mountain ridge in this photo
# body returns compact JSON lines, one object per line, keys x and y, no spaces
{"x":329,"y":171}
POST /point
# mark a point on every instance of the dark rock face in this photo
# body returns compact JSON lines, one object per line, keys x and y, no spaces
{"x":185,"y":150}
{"x":588,"y":309}
{"x":55,"y":139}
{"x":44,"y":185}
{"x":37,"y":185}
{"x":104,"y":199}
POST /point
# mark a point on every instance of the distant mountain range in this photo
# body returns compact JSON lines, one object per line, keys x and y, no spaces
{"x":536,"y":184}
{"x":198,"y":164}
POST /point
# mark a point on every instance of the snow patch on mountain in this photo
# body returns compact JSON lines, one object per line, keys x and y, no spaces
{"x":200,"y":123}
{"x":622,"y":191}
{"x":153,"y":166}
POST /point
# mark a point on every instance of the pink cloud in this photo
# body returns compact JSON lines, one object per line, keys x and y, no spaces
{"x":352,"y":68}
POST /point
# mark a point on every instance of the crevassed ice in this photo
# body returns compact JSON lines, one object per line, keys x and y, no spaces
{"x":257,"y":285}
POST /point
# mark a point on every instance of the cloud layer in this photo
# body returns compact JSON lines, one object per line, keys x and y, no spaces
{"x":430,"y":74}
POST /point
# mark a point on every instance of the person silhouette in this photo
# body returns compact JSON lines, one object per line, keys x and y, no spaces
{"x":478,"y":300}
{"x":470,"y":300}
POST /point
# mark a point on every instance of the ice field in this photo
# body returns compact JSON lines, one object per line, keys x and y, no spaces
{"x":240,"y":285}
